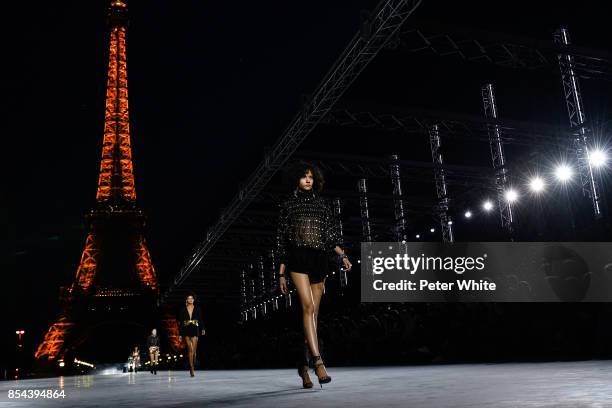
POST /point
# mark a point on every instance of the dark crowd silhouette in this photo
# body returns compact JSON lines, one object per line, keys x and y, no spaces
{"x":423,"y":333}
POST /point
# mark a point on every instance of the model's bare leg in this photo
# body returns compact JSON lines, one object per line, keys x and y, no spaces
{"x":317,"y":293}
{"x":302,"y":285}
{"x":195,"y":349}
{"x":190,"y":352}
{"x":188,"y":342}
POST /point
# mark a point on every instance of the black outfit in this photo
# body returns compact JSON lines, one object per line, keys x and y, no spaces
{"x":306,"y":235}
{"x":152,"y":341}
{"x":190,"y":326}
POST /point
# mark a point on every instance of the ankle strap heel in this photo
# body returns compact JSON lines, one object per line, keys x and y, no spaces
{"x":317,"y":362}
{"x":303,"y":372}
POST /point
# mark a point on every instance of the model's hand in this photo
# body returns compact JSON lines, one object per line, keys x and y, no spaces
{"x":347,"y":264}
{"x":282,"y":284}
{"x":180,"y":339}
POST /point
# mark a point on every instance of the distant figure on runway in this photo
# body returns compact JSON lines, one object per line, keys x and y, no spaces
{"x":136,"y":358}
{"x":307,"y":235}
{"x":153,"y":345}
{"x":191,"y":326}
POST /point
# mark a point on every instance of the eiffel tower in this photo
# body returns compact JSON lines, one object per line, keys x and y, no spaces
{"x":112,"y":303}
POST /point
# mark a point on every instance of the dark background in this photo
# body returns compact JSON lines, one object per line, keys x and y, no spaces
{"x":211,"y":84}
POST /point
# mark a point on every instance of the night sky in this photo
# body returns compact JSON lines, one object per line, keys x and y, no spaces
{"x":211,"y":84}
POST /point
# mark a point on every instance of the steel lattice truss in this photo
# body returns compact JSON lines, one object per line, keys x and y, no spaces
{"x":116,"y":177}
{"x":498,"y":159}
{"x":453,"y":125}
{"x":575,"y":108}
{"x":500,"y":49}
{"x":413,"y":170}
{"x":362,"y":49}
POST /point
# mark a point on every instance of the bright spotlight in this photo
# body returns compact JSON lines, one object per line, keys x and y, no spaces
{"x":432,"y":230}
{"x":511,"y":195}
{"x":418,"y":236}
{"x":536,"y":184}
{"x":487,"y":206}
{"x":468,"y":214}
{"x":598,"y":158}
{"x":563,"y":172}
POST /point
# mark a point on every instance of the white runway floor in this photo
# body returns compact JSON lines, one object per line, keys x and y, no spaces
{"x":558,"y":384}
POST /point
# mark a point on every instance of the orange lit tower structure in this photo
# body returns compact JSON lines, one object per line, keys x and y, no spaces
{"x":115,"y":287}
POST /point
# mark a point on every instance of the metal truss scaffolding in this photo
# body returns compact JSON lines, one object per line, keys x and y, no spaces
{"x":575,"y":110}
{"x":362,"y":49}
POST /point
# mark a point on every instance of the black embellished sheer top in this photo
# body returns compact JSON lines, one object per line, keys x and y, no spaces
{"x":306,"y":220}
{"x":153,"y":341}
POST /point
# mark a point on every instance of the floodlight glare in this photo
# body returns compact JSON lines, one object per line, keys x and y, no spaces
{"x":511,"y":195}
{"x":468,"y":214}
{"x":487,"y":206}
{"x":598,"y":158}
{"x":536,"y":184}
{"x":563,"y":172}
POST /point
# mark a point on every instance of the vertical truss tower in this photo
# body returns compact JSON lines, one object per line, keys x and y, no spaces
{"x":115,"y":287}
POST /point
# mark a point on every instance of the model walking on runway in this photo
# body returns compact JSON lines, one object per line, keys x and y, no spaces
{"x":306,"y":236}
{"x":136,"y":358}
{"x":191,"y":326}
{"x":153,"y":346}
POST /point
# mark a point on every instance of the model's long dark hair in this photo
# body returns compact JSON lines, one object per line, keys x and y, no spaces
{"x":295,"y":171}
{"x":193,"y":295}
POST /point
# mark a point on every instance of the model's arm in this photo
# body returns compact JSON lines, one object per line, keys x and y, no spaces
{"x":332,"y":235}
{"x":333,"y":240}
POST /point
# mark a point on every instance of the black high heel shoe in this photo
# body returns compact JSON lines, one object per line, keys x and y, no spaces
{"x":303,"y":372}
{"x":318,"y":362}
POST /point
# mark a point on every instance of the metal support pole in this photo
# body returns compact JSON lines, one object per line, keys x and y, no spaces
{"x":499,"y":160}
{"x":365,"y":215}
{"x":575,"y":110}
{"x":338,"y":216}
{"x":273,"y":280}
{"x":243,"y":295}
{"x":446,"y":223}
{"x":398,"y":203}
{"x":252,"y":292}
{"x":262,"y":285}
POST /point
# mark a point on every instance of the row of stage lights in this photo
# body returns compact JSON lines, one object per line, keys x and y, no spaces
{"x":563,"y":173}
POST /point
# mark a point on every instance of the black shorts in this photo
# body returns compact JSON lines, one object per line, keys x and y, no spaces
{"x":189,"y":330}
{"x":313,"y":262}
